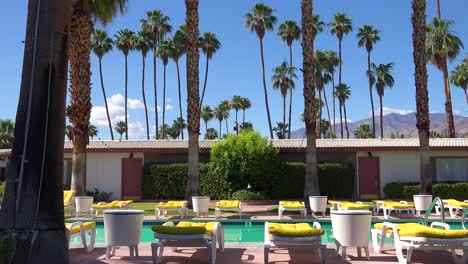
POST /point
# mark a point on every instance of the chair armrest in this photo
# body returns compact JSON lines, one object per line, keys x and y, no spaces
{"x":316,"y":225}
{"x":303,"y":204}
{"x":386,"y":225}
{"x":161,"y":203}
{"x":240,"y":206}
{"x":217,"y":203}
{"x":101,"y":203}
{"x":78,"y":223}
{"x":443,"y":225}
{"x":166,"y":224}
{"x":404,"y":202}
{"x":465,"y":201}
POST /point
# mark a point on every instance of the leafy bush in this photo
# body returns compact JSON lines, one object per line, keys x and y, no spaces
{"x":2,"y":188}
{"x":247,"y":195}
{"x":455,"y":190}
{"x":244,"y":159}
{"x":99,"y":196}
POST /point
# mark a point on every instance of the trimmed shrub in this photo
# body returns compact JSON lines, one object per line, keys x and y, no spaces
{"x":247,"y":195}
{"x":455,"y":190}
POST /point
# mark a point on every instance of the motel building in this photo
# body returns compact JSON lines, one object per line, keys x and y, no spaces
{"x":117,"y":166}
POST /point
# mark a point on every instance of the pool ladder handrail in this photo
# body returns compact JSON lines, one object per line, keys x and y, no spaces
{"x":463,"y":221}
{"x":437,"y":201}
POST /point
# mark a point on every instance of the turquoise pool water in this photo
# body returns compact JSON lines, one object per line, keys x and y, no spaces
{"x":246,"y":231}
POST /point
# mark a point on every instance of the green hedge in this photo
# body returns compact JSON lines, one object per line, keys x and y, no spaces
{"x":455,"y":190}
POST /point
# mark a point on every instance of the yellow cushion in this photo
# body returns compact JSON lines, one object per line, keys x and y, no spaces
{"x":354,"y":206}
{"x":457,"y":203}
{"x":113,"y":204}
{"x":171,"y":205}
{"x":398,"y":205}
{"x":228,"y":204}
{"x":86,"y":225}
{"x":291,"y":204}
{"x":294,"y":230}
{"x":68,"y":196}
{"x":185,"y":228}
{"x":418,"y":230}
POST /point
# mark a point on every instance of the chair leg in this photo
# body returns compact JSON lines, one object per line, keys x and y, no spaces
{"x":323,"y":254}
{"x":366,"y":249}
{"x":465,"y":255}
{"x":92,"y":235}
{"x":108,"y":252}
{"x":266,"y":251}
{"x":154,"y":252}
{"x":213,"y":252}
{"x":131,"y":251}
{"x":343,"y":253}
{"x":83,"y":239}
{"x":359,"y":253}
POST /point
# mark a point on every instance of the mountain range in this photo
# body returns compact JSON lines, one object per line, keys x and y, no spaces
{"x":402,"y":124}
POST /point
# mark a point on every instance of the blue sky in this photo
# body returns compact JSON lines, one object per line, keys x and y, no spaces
{"x":236,"y":68}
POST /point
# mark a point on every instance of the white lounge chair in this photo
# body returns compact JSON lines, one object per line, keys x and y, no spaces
{"x":389,"y":206}
{"x":293,"y":240}
{"x":230,"y":206}
{"x":415,"y":236}
{"x":80,"y":229}
{"x":347,"y":205}
{"x":178,"y":206}
{"x":292,"y":206}
{"x":454,"y":207}
{"x":188,"y":234}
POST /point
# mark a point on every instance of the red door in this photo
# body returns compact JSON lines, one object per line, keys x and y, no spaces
{"x":132,"y":169}
{"x":369,"y":177}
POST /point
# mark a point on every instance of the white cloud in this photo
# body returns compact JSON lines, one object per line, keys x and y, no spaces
{"x":99,"y":116}
{"x":169,"y":107}
{"x":135,"y":104}
{"x":389,"y":110}
{"x":117,"y":99}
{"x":135,"y":130}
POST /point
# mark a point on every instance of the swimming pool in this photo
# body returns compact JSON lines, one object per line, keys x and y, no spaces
{"x":250,"y":231}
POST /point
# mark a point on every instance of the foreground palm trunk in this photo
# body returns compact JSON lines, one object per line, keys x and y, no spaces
{"x":105,"y":99}
{"x":448,"y":102}
{"x":193,"y":97}
{"x":265,"y":91}
{"x":370,"y":94}
{"x":290,"y":94}
{"x":423,"y":122}
{"x":32,"y":204}
{"x":144,"y":96}
{"x":311,"y":178}
{"x":180,"y":97}
{"x":155,"y":93}
{"x":79,"y":111}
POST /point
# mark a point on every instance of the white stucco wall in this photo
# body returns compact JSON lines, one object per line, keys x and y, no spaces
{"x":104,"y":171}
{"x":403,"y":166}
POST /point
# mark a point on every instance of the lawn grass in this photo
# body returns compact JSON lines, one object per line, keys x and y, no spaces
{"x":149,"y":209}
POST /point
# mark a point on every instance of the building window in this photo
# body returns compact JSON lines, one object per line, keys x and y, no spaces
{"x":451,"y":169}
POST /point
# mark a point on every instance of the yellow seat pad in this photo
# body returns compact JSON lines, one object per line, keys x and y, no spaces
{"x":457,"y":203}
{"x":291,"y":204}
{"x":228,"y":204}
{"x":185,"y":228}
{"x":354,"y":206}
{"x":418,"y":230}
{"x":294,"y":230}
{"x":86,"y":225}
{"x":113,"y":204}
{"x":68,"y":197}
{"x":398,"y":205}
{"x":171,"y":205}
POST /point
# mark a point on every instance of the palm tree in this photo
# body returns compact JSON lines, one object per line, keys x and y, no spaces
{"x":144,"y":43}
{"x":124,"y":41}
{"x":209,"y":44}
{"x":289,"y":31}
{"x":211,"y":134}
{"x":164,"y":52}
{"x":207,"y":115}
{"x":68,"y":132}
{"x":324,"y":128}
{"x":459,"y":77}
{"x":177,"y":51}
{"x":193,"y":95}
{"x":159,"y":25}
{"x":225,"y":106}
{"x":368,"y":36}
{"x":342,"y":92}
{"x":179,"y":125}
{"x":236,"y":104}
{"x":340,"y":27}
{"x":261,"y":20}
{"x":280,"y":129}
{"x":311,"y":186}
{"x":93,"y":131}
{"x":219,"y":114}
{"x":283,"y":80}
{"x":120,"y":128}
{"x":382,"y":77}
{"x":322,"y":77}
{"x":85,"y":12}
{"x":443,"y":44}
{"x":245,"y":105}
{"x":246,"y":126}
{"x":363,"y":131}
{"x":7,"y":129}
{"x":167,"y":131}
{"x":101,"y":44}
{"x":332,"y":63}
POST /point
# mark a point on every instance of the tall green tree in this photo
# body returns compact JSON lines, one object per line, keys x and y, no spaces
{"x":343,"y":92}
{"x":93,"y":131}
{"x":144,"y":43}
{"x":282,"y":79}
{"x":443,"y":44}
{"x":177,"y":51}
{"x":178,"y":125}
{"x":245,"y":105}
{"x":124,"y":41}
{"x":289,"y":32}
{"x":193,"y":96}
{"x":332,"y":63}
{"x":363,"y":131}
{"x":322,"y":77}
{"x":236,"y":104}
{"x":459,"y":77}
{"x":85,"y":13}
{"x":340,"y":26}
{"x":280,"y":129}
{"x":225,"y":107}
{"x":209,"y":45}
{"x":32,"y":202}
{"x":101,"y":44}
{"x":207,"y":115}
{"x":311,"y":186}
{"x":7,"y":129}
{"x":120,"y":128}
{"x":211,"y":134}
{"x":382,"y":76}
{"x":368,"y":36}
{"x":260,"y":21}
{"x":160,"y":27}
{"x":219,"y":114}
{"x":164,"y":52}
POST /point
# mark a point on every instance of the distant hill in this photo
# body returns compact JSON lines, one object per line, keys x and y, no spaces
{"x":403,"y":124}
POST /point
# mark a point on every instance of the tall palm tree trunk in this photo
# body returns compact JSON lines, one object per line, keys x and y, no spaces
{"x":311,"y":186}
{"x":206,"y":127}
{"x":33,"y":195}
{"x":180,"y":98}
{"x":341,"y":119}
{"x":206,"y":80}
{"x":371,"y":94}
{"x":227,"y":128}
{"x":220,"y":125}
{"x":448,"y":102}
{"x":193,"y":97}
{"x":328,"y":113}
{"x":466,"y":95}
{"x":265,"y":89}
{"x":163,"y":132}
{"x":290,"y":94}
{"x":155,"y":93}
{"x":339,"y":63}
{"x":345,"y":120}
{"x":243,"y":112}
{"x":381,"y":116}
{"x":126,"y":97}
{"x":284,"y":116}
{"x":237,"y":124}
{"x":320,"y":114}
{"x":143,"y":94}
{"x":418,"y":19}
{"x":439,"y":15}
{"x":105,"y":99}
{"x":334,"y":106}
